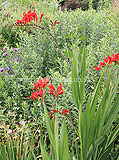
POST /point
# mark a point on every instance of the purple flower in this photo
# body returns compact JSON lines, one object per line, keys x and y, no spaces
{"x":30,"y":67}
{"x":5,"y":54}
{"x":2,"y":69}
{"x":16,"y":59}
{"x":8,"y":69}
{"x":11,"y":51}
{"x":46,"y":67}
{"x":22,"y":57}
{"x":4,"y":49}
{"x":16,"y":49}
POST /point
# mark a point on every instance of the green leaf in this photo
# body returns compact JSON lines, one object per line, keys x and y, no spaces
{"x":113,"y":134}
{"x":82,"y":80}
{"x":111,"y":116}
{"x":95,"y":98}
{"x":44,"y":153}
{"x":85,"y":128}
{"x":8,"y":148}
{"x":97,"y":143}
{"x":75,"y":80}
{"x":49,"y":128}
{"x":99,"y":118}
{"x":81,"y":38}
{"x":63,"y":146}
{"x":3,"y":152}
{"x":106,"y":152}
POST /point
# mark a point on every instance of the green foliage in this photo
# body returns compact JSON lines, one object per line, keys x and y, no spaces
{"x":59,"y":146}
{"x":95,"y":122}
{"x":16,"y":148}
{"x":98,"y":32}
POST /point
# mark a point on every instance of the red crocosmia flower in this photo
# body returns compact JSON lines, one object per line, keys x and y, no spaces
{"x":53,"y":24}
{"x":40,"y":93}
{"x":34,"y":96}
{"x":41,"y":18}
{"x":117,"y":56}
{"x":19,"y":21}
{"x":55,"y":111}
{"x":109,"y":59}
{"x":34,"y":15}
{"x":28,"y":17}
{"x":97,"y":68}
{"x":59,"y":90}
{"x":45,"y":81}
{"x":65,"y":111}
{"x":40,"y":83}
{"x":113,"y":59}
{"x":105,"y":60}
{"x":36,"y":85}
{"x":102,"y":64}
{"x":52,"y":89}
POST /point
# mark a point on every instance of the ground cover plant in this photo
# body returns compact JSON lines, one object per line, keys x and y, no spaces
{"x":59,"y":85}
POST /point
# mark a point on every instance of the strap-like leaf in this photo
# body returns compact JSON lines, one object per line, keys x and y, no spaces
{"x":64,"y":149}
{"x":75,"y":80}
{"x":49,"y":128}
{"x":111,"y":116}
{"x":44,"y":153}
{"x":82,"y":80}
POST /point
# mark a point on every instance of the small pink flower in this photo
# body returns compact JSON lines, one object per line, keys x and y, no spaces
{"x":4,"y":49}
{"x":9,"y":131}
{"x":16,"y":59}
{"x":5,"y":54}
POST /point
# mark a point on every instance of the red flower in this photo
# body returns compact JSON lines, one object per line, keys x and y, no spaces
{"x":40,"y":83}
{"x":28,"y":17}
{"x":40,"y":92}
{"x":53,"y":24}
{"x":52,"y":89}
{"x":19,"y":21}
{"x":34,"y":95}
{"x":117,"y":56}
{"x":41,"y":18}
{"x":36,"y":85}
{"x":55,"y":111}
{"x":45,"y":81}
{"x":97,"y":68}
{"x":34,"y":15}
{"x":113,"y":59}
{"x":65,"y":111}
{"x":102,"y":64}
{"x":59,"y":90}
{"x":109,"y":60}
